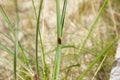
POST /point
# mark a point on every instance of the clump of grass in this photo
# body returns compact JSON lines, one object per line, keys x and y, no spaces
{"x":22,"y":65}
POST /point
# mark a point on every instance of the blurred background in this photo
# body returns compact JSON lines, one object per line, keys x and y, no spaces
{"x":80,"y":14}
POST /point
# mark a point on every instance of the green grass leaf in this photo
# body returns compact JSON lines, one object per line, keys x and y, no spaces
{"x":60,"y":23}
{"x":92,"y":27}
{"x":7,"y":20}
{"x":41,"y":42}
{"x":63,"y":14}
{"x":103,"y":52}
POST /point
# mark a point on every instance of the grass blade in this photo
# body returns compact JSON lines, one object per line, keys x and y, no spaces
{"x":43,"y":57}
{"x":4,"y":48}
{"x":103,"y":52}
{"x":58,"y":50}
{"x":57,"y":63}
{"x":25,"y":57}
{"x":13,"y":32}
{"x":11,"y":54}
{"x":33,"y":4}
{"x":7,"y":20}
{"x":93,"y":26}
{"x":58,"y":19}
{"x":6,"y":62}
{"x":69,"y":46}
{"x":16,"y":41}
{"x":63,"y":14}
{"x":6,"y":36}
{"x":41,"y":42}
{"x":60,"y":23}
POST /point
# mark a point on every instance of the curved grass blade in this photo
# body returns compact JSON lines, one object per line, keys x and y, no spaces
{"x":41,"y":42}
{"x":43,"y":55}
{"x":35,"y":12}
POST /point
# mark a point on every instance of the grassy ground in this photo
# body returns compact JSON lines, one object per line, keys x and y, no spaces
{"x":80,"y":15}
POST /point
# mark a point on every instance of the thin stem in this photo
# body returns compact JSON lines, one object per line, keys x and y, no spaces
{"x":92,"y":26}
{"x":33,"y":4}
{"x":63,"y":13}
{"x":42,"y":45}
{"x":60,"y":23}
{"x":16,"y":40}
{"x":58,"y":51}
{"x":99,"y":67}
{"x":37,"y":31}
{"x":59,"y":34}
{"x":7,"y":20}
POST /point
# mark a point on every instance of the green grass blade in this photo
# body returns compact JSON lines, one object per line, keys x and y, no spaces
{"x":6,"y":36}
{"x":57,"y":63}
{"x":6,"y":62}
{"x":63,"y":14}
{"x":25,"y":57}
{"x":58,"y":51}
{"x":16,"y":41}
{"x":4,"y":48}
{"x":7,"y":19}
{"x":11,"y":29}
{"x":35,"y":12}
{"x":21,"y":49}
{"x":59,"y":28}
{"x":103,"y":52}
{"x":93,"y":25}
{"x":41,"y":42}
{"x":60,"y":23}
{"x":69,"y":46}
{"x":37,"y":31}
{"x":43,"y":59}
